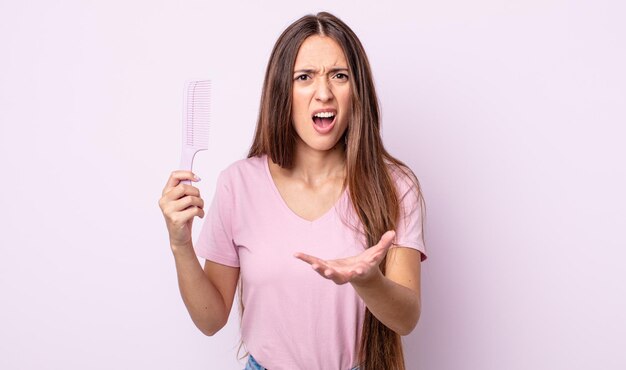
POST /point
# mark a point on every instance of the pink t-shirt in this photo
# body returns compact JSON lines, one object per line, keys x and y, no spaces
{"x":293,"y":318}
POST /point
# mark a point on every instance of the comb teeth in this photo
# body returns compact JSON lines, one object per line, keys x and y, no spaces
{"x":198,"y":116}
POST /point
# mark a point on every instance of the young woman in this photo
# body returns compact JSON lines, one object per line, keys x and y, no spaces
{"x":320,"y":225}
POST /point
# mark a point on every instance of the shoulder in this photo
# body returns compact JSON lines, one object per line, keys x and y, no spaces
{"x":244,"y":170}
{"x":246,"y":165}
{"x":403,"y":177}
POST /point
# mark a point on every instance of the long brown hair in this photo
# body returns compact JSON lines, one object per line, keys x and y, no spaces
{"x":369,"y":181}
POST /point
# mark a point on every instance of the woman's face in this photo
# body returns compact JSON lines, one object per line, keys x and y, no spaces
{"x":321,"y":93}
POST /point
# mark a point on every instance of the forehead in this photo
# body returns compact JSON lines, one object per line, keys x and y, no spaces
{"x":320,"y":51}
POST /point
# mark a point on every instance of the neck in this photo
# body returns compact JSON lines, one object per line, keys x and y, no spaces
{"x":315,"y":166}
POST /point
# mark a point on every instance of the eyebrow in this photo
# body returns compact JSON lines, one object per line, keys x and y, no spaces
{"x":334,"y":69}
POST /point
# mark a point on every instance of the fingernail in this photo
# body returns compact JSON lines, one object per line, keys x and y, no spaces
{"x":196,"y":178}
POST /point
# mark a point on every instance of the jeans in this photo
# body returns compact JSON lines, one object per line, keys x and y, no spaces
{"x":253,"y":365}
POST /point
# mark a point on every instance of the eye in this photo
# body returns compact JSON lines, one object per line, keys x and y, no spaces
{"x":341,"y":76}
{"x":302,"y":78}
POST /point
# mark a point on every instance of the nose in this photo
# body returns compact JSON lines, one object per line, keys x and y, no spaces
{"x":323,"y":92}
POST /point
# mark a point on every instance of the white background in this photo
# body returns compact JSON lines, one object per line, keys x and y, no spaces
{"x":511,"y":113}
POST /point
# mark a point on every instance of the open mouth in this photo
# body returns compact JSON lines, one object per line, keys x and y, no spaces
{"x":324,"y":120}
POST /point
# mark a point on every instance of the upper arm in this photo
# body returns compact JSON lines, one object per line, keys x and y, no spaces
{"x":224,"y":279}
{"x":403,"y":266}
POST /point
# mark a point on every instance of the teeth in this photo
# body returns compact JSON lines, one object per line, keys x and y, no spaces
{"x":324,"y":115}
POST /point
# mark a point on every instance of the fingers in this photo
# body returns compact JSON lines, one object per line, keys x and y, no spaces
{"x":186,"y":202}
{"x":311,"y":260}
{"x":179,"y":219}
{"x":319,"y":265}
{"x":385,"y":242}
{"x":337,"y":277}
{"x":387,"y":238}
{"x":171,"y":194}
{"x":325,"y":270}
{"x":329,"y":273}
{"x":181,"y":202}
{"x":171,"y":207}
{"x":176,"y":177}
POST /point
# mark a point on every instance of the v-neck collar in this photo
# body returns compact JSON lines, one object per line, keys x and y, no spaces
{"x":286,"y":207}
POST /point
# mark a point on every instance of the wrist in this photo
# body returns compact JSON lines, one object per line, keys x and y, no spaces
{"x":182,"y":249}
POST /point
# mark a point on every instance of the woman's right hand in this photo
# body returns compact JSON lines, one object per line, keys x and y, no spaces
{"x":180,"y":203}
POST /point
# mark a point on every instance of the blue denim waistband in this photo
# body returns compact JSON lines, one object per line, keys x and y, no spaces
{"x":253,"y":365}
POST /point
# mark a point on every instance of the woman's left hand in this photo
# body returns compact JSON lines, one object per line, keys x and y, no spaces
{"x":357,"y":269}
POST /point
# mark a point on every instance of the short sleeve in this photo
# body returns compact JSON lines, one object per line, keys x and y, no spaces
{"x":215,"y":242}
{"x":409,"y":229}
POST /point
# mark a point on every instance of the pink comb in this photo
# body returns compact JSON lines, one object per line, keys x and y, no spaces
{"x":196,"y":122}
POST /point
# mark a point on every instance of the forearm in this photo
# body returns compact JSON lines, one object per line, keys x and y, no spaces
{"x":395,"y":305}
{"x":202,"y":299}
